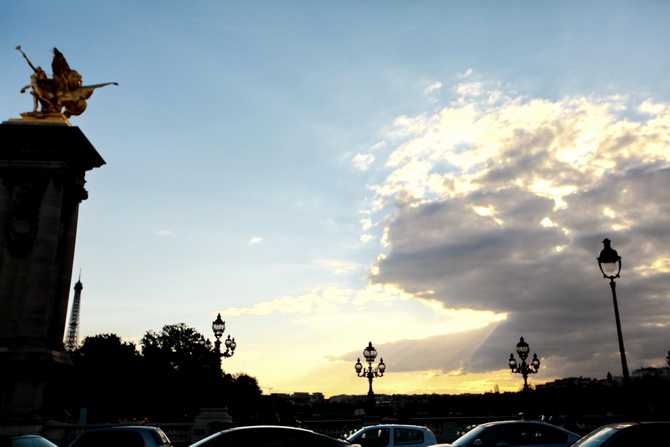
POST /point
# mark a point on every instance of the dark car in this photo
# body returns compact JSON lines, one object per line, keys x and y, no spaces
{"x":269,"y":436}
{"x":516,"y":434}
{"x":25,"y":441}
{"x":130,"y":436}
{"x":627,"y":434}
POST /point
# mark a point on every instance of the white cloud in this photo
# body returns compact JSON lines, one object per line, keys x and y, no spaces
{"x":470,"y":89}
{"x":435,"y":86}
{"x":365,"y":238}
{"x":363,"y":161}
{"x":469,"y":72}
{"x":166,"y":233}
{"x":255,"y":240}
{"x":338,"y":267}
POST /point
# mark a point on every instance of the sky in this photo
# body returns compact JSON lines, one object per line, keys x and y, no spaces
{"x":434,"y":177}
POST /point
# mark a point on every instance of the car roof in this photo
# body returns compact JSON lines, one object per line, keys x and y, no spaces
{"x":247,"y":427}
{"x":621,"y":425}
{"x":126,"y":427}
{"x":523,"y":421}
{"x":19,"y":436}
{"x":515,"y":421}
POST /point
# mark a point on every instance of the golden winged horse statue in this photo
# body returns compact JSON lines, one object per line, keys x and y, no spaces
{"x":64,"y":92}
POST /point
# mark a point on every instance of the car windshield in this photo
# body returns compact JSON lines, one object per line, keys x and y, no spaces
{"x":371,"y":437}
{"x":110,"y":438}
{"x":468,"y":437}
{"x":27,"y":441}
{"x":596,"y":437}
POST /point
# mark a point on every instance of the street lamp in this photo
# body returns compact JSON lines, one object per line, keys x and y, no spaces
{"x":219,"y":326}
{"x":524,"y":369}
{"x":370,"y":353}
{"x":609,"y":262}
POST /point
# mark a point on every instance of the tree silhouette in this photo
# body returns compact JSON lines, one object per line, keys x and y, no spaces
{"x":170,"y":380}
{"x":184,"y":366}
{"x":106,"y":378}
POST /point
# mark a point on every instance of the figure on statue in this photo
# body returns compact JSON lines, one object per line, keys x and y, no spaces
{"x":64,"y":93}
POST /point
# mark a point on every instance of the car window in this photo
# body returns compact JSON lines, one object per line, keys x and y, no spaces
{"x":267,"y":437}
{"x":641,"y":435}
{"x":407,"y":436}
{"x":375,"y":437}
{"x":541,"y":434}
{"x":497,"y":435}
{"x":597,"y":437}
{"x":517,"y":435}
{"x":271,"y":437}
{"x":110,"y":438}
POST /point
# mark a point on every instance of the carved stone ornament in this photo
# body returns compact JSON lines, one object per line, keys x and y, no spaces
{"x":24,"y":217}
{"x":64,"y":93}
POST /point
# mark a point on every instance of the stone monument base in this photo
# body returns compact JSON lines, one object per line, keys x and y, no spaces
{"x":210,"y":421}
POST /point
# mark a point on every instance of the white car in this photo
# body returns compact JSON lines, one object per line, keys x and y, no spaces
{"x":515,"y":434}
{"x":392,"y":435}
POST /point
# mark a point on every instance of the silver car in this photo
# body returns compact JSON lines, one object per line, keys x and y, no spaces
{"x":626,"y":434}
{"x":515,"y":434}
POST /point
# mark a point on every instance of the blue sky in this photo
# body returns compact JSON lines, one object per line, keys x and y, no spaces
{"x":432,"y":176}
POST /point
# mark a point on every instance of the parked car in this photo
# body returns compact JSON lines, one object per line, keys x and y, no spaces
{"x":627,"y":434}
{"x":25,"y":441}
{"x":515,"y":434}
{"x":269,"y":436}
{"x":130,"y":436}
{"x":393,"y":434}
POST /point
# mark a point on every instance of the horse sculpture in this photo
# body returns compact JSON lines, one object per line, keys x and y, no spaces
{"x":64,"y":92}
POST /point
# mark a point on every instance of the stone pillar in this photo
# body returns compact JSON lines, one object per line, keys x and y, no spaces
{"x":42,"y":170}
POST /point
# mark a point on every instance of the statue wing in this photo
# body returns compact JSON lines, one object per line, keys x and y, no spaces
{"x":59,"y":65}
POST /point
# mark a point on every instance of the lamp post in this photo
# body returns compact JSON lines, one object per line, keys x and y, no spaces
{"x":370,"y":353}
{"x":219,"y":326}
{"x":524,"y":369}
{"x":609,"y":262}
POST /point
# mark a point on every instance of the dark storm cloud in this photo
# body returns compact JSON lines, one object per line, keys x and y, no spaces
{"x":507,"y":247}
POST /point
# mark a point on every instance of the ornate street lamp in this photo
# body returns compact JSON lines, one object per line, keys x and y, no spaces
{"x":370,"y":353}
{"x":524,"y":369}
{"x":609,"y":262}
{"x":219,"y":326}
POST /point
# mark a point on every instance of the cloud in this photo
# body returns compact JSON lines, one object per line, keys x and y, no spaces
{"x":412,"y":317}
{"x":434,"y":86}
{"x":469,"y":72}
{"x":255,"y":240}
{"x":501,"y":205}
{"x":363,"y":161}
{"x":338,"y":267}
{"x":166,"y":233}
{"x":317,"y":301}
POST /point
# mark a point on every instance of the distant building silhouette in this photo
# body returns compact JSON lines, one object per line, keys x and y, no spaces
{"x":663,"y":373}
{"x":72,"y":338}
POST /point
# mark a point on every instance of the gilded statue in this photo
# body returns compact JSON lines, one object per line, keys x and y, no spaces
{"x":64,"y":93}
